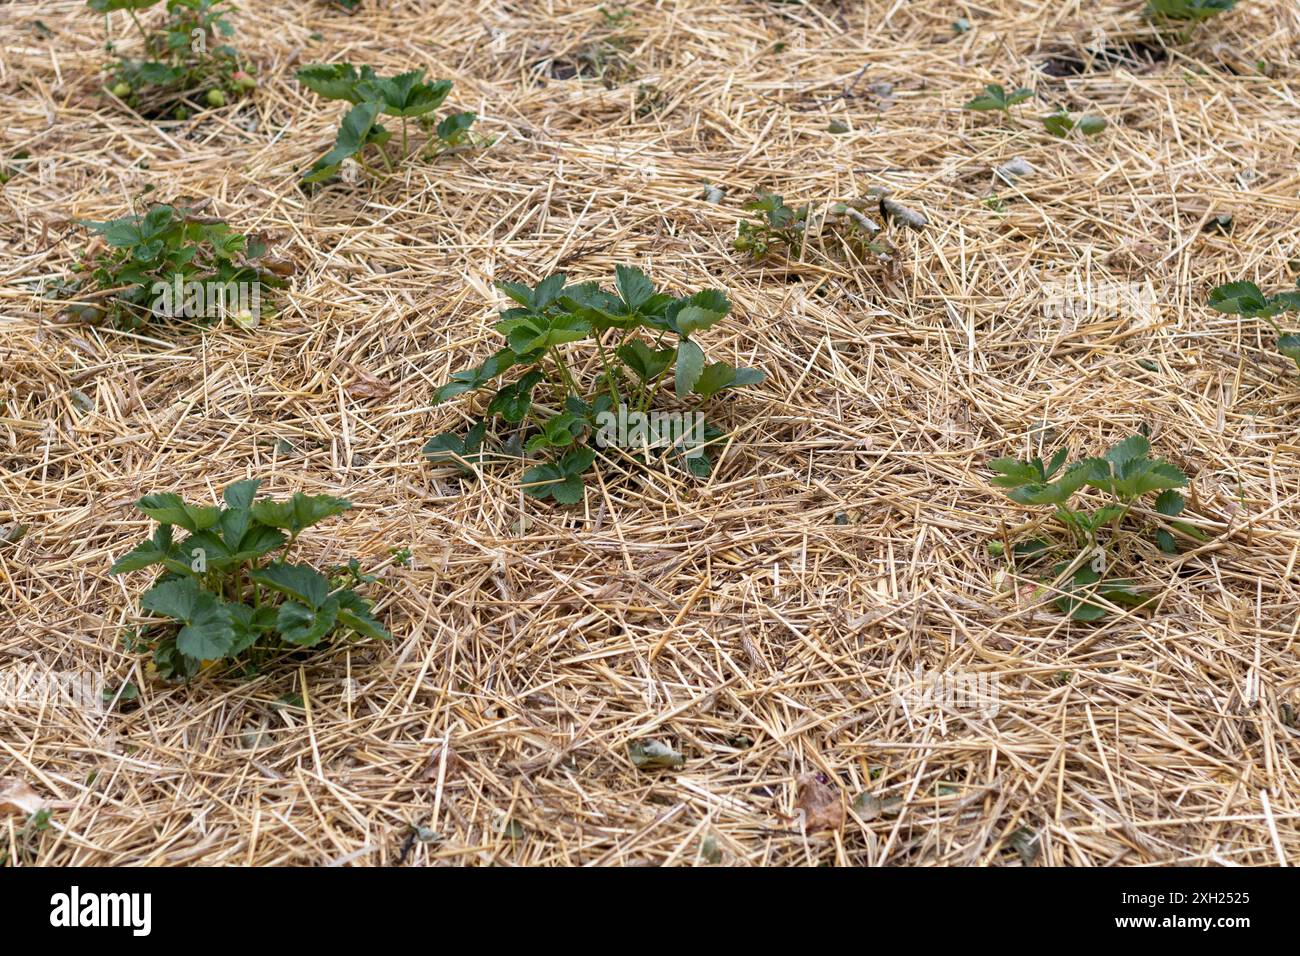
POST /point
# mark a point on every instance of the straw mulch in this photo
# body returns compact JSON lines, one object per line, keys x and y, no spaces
{"x":758,"y":622}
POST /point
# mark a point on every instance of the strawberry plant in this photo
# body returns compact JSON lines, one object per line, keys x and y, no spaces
{"x":778,"y":226}
{"x":1246,"y":299}
{"x":178,"y":69}
{"x":996,"y":98}
{"x":644,"y":341}
{"x":170,"y":261}
{"x":1124,"y":475}
{"x":222,"y":596}
{"x":774,"y":224}
{"x":405,"y":96}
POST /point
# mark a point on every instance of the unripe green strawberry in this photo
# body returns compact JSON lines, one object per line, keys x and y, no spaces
{"x":122,"y":90}
{"x":216,"y":98}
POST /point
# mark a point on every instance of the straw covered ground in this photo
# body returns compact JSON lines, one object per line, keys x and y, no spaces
{"x":760,"y":622}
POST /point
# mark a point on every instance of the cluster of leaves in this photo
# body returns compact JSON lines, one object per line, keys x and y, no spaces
{"x":221,"y":594}
{"x":406,"y":96}
{"x":1060,"y":123}
{"x":1246,"y":299}
{"x":1188,"y":10}
{"x":1126,"y":473}
{"x":551,"y":410}
{"x":996,"y":98}
{"x":778,"y":226}
{"x":774,"y":223}
{"x":178,"y":65}
{"x":159,"y":245}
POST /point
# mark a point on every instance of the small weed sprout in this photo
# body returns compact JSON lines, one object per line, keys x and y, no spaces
{"x":221,"y":597}
{"x":777,"y":226}
{"x":774,"y":224}
{"x":406,"y":96}
{"x":996,"y":98}
{"x":644,"y":340}
{"x":186,"y":62}
{"x":1125,"y":474}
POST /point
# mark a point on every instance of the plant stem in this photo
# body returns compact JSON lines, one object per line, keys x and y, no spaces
{"x":139,"y":26}
{"x":564,"y":372}
{"x":658,"y":383}
{"x":614,"y":393}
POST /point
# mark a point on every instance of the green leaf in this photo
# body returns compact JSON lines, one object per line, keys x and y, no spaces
{"x":168,"y":508}
{"x":578,"y":460}
{"x":453,"y":129}
{"x":1057,"y":461}
{"x":299,"y":512}
{"x":445,"y":447}
{"x":1130,"y":449}
{"x":692,"y":319}
{"x":548,"y":290}
{"x":208,"y":633}
{"x":541,"y":480}
{"x":248,"y":625}
{"x":1289,"y":345}
{"x":157,"y":550}
{"x":335,"y":81}
{"x":1170,"y":503}
{"x":406,"y":94}
{"x":1084,"y":591}
{"x":473,"y":378}
{"x":305,"y":626}
{"x":298,"y":581}
{"x":240,"y":494}
{"x":1058,"y":124}
{"x":354,"y":134}
{"x":354,"y":613}
{"x":995,"y":97}
{"x":1091,"y":125}
{"x":690,"y":366}
{"x":561,"y":480}
{"x":1239,"y":298}
{"x":634,"y":287}
{"x":513,"y":401}
{"x":258,"y":541}
{"x":558,"y":431}
{"x":1012,"y":472}
{"x":714,"y":378}
{"x":647,"y":363}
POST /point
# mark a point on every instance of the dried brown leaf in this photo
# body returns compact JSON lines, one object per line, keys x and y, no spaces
{"x":822,"y":804}
{"x":18,"y":799}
